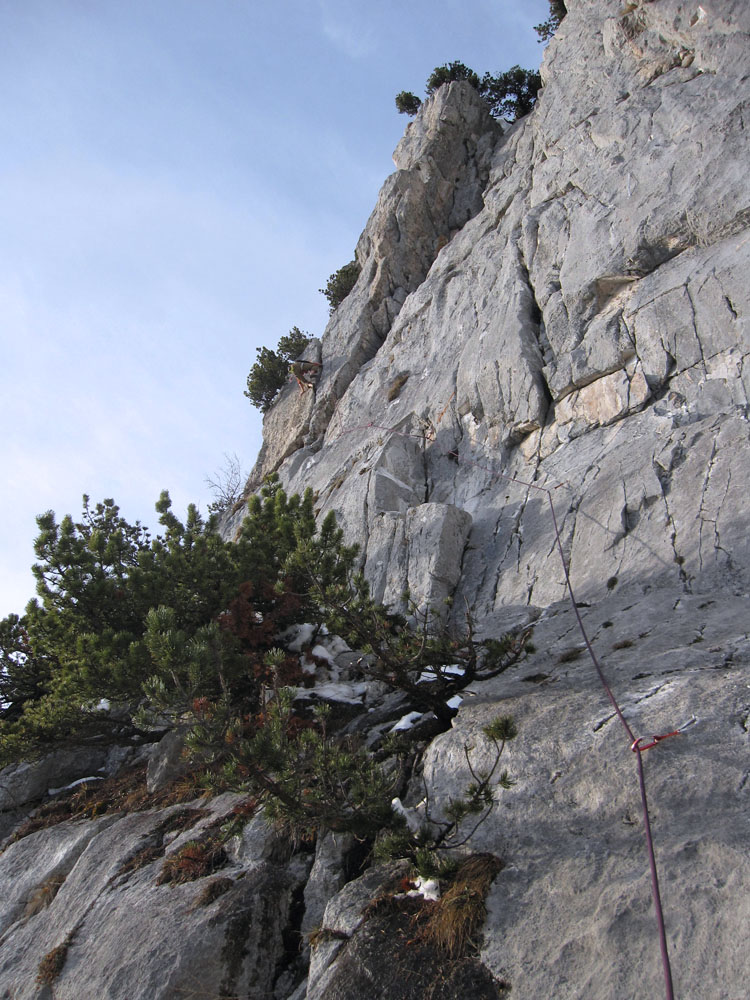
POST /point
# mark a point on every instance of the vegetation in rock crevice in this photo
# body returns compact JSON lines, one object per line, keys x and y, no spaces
{"x":339,"y":284}
{"x":188,"y":629}
{"x":271,"y":370}
{"x":413,"y":947}
{"x":52,"y":964}
{"x":194,"y":860}
{"x":124,"y":793}
{"x":509,"y":95}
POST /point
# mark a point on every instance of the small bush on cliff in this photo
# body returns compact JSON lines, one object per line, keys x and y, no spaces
{"x":184,"y":628}
{"x":557,"y":11}
{"x":271,"y":369}
{"x":509,"y":95}
{"x":407,"y":103}
{"x":450,"y":72}
{"x":340,"y":284}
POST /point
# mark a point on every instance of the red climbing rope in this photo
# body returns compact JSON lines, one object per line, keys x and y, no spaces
{"x":442,"y":412}
{"x":636,"y":743}
{"x":379,"y":427}
{"x":638,"y":749}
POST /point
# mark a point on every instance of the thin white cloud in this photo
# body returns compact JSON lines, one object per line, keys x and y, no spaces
{"x":344,"y":25}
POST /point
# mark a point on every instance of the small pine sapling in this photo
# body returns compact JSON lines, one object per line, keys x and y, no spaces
{"x":339,"y":284}
{"x":407,"y":103}
{"x":425,"y":837}
{"x":479,"y":796}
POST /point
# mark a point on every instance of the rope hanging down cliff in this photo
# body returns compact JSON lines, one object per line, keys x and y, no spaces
{"x":636,"y":744}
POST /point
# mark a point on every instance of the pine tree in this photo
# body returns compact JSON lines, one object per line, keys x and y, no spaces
{"x":511,"y":94}
{"x":340,"y":284}
{"x":407,"y":103}
{"x":450,"y":72}
{"x":271,"y":369}
{"x":557,"y":11}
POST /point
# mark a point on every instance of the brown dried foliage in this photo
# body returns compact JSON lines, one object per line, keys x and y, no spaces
{"x":52,"y":964}
{"x":212,"y":891}
{"x":124,"y":793}
{"x":192,"y":861}
{"x":456,"y":919}
{"x":568,"y":655}
{"x":394,"y":390}
{"x":154,"y":846}
{"x":43,"y":895}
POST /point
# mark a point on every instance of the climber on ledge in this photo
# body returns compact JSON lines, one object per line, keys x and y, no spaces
{"x":306,"y":372}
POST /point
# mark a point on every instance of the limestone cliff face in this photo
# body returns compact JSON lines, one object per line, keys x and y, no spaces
{"x":562,"y":306}
{"x":585,"y":326}
{"x":585,"y":330}
{"x":443,"y":165}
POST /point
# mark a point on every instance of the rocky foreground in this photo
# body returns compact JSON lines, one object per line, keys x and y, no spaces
{"x":564,"y":306}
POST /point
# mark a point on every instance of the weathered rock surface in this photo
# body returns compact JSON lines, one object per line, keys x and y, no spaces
{"x":570,"y":914}
{"x":585,"y":332}
{"x":587,"y":328}
{"x":557,"y":313}
{"x":127,"y":935}
{"x":165,"y":762}
{"x":443,"y":163}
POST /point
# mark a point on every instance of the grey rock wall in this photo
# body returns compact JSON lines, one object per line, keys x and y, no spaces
{"x":81,"y":884}
{"x":570,"y":914}
{"x":443,"y":163}
{"x":559,"y":312}
{"x":583,"y":332}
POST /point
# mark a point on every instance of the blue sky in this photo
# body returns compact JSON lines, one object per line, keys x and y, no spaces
{"x":178,"y":178}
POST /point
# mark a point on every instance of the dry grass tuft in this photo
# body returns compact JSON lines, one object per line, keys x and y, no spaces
{"x":623,"y":644}
{"x":124,"y":793}
{"x":574,"y":653}
{"x":43,"y":895}
{"x":321,"y":935}
{"x":194,"y":860}
{"x":154,"y":848}
{"x":140,"y":859}
{"x":215,"y":888}
{"x":52,"y":964}
{"x":456,"y":919}
{"x":394,"y":390}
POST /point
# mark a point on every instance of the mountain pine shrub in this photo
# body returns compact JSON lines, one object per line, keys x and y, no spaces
{"x":271,"y":369}
{"x":407,"y":103}
{"x":340,"y":284}
{"x":184,"y":629}
{"x":448,"y":73}
{"x":509,"y":95}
